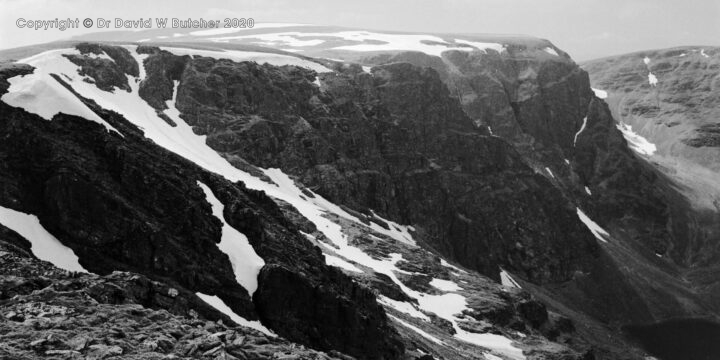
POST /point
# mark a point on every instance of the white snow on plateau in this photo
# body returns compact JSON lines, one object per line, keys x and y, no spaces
{"x":602,"y":94}
{"x":39,"y":93}
{"x":429,"y":44}
{"x":245,"y":262}
{"x":638,"y":143}
{"x":507,"y":280}
{"x":42,"y":244}
{"x":596,"y":230}
{"x":222,"y":31}
{"x":482,"y":45}
{"x":582,"y":127}
{"x":702,"y":52}
{"x":258,"y":57}
{"x":587,"y":190}
{"x":275,"y":39}
{"x":220,"y":306}
{"x":550,"y":51}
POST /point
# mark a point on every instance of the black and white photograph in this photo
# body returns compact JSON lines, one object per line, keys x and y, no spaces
{"x":360,"y":180}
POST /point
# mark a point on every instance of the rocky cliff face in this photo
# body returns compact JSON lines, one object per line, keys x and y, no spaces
{"x":123,"y":203}
{"x":396,"y":143}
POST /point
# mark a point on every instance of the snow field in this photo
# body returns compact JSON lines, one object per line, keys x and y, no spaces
{"x":43,"y":244}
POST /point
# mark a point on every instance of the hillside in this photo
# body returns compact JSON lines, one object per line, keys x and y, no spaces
{"x":374,"y":195}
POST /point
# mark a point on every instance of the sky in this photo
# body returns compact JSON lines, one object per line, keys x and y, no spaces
{"x":586,"y":29}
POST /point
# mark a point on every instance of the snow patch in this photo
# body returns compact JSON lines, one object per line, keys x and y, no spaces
{"x":596,"y":230}
{"x":602,"y":94}
{"x":702,"y":52}
{"x":646,"y":60}
{"x":498,"y":343}
{"x":507,"y":280}
{"x":448,"y":265}
{"x":550,"y":51}
{"x":220,"y":306}
{"x":550,"y":172}
{"x":582,"y":127}
{"x":652,"y":79}
{"x":42,"y":244}
{"x":587,"y":190}
{"x":638,"y":143}
{"x":245,"y":261}
{"x":445,"y":285}
{"x":40,"y":94}
{"x":403,"y":307}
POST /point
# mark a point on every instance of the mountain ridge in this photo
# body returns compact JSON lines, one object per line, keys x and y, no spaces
{"x":305,"y":119}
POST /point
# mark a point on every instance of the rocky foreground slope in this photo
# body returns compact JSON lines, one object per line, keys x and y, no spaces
{"x":494,"y":156}
{"x":49,"y":312}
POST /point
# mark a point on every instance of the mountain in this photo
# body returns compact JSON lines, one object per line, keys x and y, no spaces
{"x":668,"y":99}
{"x":367,"y":194}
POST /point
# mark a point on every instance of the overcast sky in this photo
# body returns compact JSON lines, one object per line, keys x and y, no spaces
{"x":584,"y":28}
